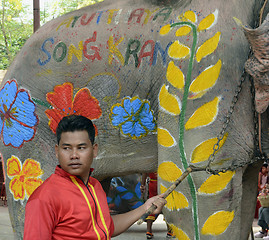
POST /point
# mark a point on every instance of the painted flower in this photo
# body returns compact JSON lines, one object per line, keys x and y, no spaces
{"x":63,"y":104}
{"x":25,"y":178}
{"x":134,"y":117}
{"x":121,"y":193}
{"x":17,"y":115}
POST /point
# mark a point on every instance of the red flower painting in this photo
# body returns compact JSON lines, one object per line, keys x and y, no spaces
{"x":63,"y":104}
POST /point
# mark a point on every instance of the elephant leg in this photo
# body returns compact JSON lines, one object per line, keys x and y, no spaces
{"x":204,"y":206}
{"x":250,"y":184}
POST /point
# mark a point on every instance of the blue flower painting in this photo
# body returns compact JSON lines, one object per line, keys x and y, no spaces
{"x":17,"y":115}
{"x":122,"y":193}
{"x":134,"y":117}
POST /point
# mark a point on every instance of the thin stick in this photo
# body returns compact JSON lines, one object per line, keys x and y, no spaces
{"x":168,"y":191}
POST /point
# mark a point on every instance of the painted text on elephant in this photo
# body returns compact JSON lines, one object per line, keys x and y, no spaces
{"x":130,"y":16}
{"x":60,"y":51}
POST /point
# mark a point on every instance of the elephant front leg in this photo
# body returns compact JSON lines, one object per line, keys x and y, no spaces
{"x":203,"y":206}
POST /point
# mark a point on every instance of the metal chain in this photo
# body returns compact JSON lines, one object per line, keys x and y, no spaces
{"x":225,"y":125}
{"x":257,"y":154}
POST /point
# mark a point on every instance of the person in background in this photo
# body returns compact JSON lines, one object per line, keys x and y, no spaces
{"x":262,"y":181}
{"x":152,"y":191}
{"x":263,"y":177}
{"x":262,"y":213}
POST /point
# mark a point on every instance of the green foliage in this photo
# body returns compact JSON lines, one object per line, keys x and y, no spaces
{"x":14,"y":30}
{"x":16,"y":26}
{"x":60,"y":7}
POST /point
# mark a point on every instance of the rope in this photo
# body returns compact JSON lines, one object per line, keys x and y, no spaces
{"x":262,"y":11}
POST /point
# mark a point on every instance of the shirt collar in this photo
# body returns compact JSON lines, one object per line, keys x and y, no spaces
{"x":63,"y":173}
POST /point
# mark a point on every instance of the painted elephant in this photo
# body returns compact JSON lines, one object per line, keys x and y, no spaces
{"x":158,"y":79}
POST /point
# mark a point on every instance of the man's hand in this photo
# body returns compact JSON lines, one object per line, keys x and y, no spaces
{"x":125,"y":220}
{"x":158,"y":201}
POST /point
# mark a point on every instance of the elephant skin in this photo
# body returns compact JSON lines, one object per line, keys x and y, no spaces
{"x":158,"y":79}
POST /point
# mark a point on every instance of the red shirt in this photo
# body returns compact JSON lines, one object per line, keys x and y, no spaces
{"x":64,"y":208}
{"x":153,"y":184}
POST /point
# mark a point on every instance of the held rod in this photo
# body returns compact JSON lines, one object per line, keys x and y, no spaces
{"x":167,"y":192}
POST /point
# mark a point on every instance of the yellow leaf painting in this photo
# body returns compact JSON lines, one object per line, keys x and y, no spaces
{"x":217,"y":223}
{"x":190,"y":15}
{"x":206,"y":80}
{"x":204,"y":115}
{"x":178,"y":50}
{"x":179,"y":233}
{"x":165,"y":138}
{"x":165,"y":29}
{"x":175,"y":76}
{"x":168,"y":171}
{"x":168,"y":102}
{"x":202,"y":152}
{"x":183,"y":31}
{"x":216,"y":183}
{"x":208,"y":21}
{"x":208,"y":47}
{"x":175,"y":200}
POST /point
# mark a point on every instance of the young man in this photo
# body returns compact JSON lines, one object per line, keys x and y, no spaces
{"x":70,"y":204}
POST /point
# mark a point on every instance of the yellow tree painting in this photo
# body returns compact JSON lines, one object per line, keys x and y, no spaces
{"x":171,"y":104}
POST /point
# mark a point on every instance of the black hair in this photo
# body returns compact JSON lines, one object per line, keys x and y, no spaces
{"x":73,"y":123}
{"x":264,"y":165}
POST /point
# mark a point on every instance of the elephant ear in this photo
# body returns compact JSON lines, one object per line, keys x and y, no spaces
{"x":258,"y":65}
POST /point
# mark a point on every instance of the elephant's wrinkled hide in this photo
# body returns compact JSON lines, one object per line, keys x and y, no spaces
{"x":258,"y":65}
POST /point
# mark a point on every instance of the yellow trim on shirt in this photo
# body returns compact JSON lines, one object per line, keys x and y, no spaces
{"x":89,"y":205}
{"x":100,"y":211}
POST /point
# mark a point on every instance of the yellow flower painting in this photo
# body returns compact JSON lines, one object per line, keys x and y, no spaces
{"x":25,"y":178}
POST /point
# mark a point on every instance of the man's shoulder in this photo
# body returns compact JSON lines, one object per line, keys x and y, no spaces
{"x":53,"y":184}
{"x":95,"y":183}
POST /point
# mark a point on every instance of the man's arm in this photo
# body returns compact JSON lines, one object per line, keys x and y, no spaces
{"x":39,"y":221}
{"x":123,"y":221}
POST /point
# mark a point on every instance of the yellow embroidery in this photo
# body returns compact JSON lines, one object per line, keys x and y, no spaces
{"x":89,"y":205}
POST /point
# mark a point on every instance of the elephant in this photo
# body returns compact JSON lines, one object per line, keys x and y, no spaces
{"x":165,"y":86}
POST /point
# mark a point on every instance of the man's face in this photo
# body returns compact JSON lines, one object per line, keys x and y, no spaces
{"x":75,"y":153}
